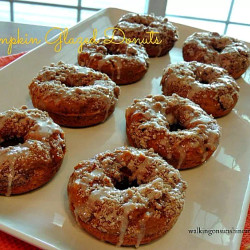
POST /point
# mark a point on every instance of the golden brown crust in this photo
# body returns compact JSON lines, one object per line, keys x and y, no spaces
{"x":175,"y":127}
{"x":82,"y":120}
{"x":211,"y":48}
{"x":207,"y":85}
{"x":37,"y":155}
{"x":126,"y":197}
{"x":123,"y":63}
{"x":148,"y":28}
{"x":130,"y":240}
{"x":74,"y":96}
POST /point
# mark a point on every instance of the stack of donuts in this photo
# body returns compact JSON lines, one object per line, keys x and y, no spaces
{"x":130,"y":195}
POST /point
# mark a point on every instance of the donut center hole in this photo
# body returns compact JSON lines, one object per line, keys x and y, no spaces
{"x":175,"y":127}
{"x":80,"y":81}
{"x":12,"y":142}
{"x":116,"y":50}
{"x":204,"y":81}
{"x":218,"y":47}
{"x":202,"y":77}
{"x":125,"y":183}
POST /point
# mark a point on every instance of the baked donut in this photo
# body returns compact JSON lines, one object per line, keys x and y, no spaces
{"x":227,"y":52}
{"x":209,"y":86}
{"x":32,"y":148}
{"x":175,"y":127}
{"x":74,"y":96}
{"x":155,"y":33}
{"x":127,"y":196}
{"x":123,"y":63}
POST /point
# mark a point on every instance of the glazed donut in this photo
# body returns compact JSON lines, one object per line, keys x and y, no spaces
{"x":207,"y":85}
{"x":155,"y":33}
{"x":74,"y":96}
{"x":126,"y":197}
{"x":123,"y":63}
{"x":175,"y":127}
{"x":209,"y":47}
{"x":32,"y":148}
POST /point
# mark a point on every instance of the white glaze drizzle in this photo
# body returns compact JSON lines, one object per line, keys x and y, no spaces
{"x":100,"y":193}
{"x":141,"y":233}
{"x":11,"y":175}
{"x":204,"y":156}
{"x":128,"y":207}
{"x":41,"y":127}
{"x":46,"y":128}
{"x":212,"y":140}
{"x":182,"y":153}
{"x":118,"y":67}
{"x":119,"y":212}
{"x":76,"y":212}
{"x":195,"y":88}
{"x":10,"y":157}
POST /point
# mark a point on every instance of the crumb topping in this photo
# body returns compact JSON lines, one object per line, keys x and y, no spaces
{"x":227,"y":52}
{"x":197,"y":81}
{"x":140,"y":26}
{"x":150,"y":122}
{"x":67,"y":89}
{"x":117,"y":53}
{"x":70,"y":75}
{"x":42,"y":142}
{"x":159,"y":189}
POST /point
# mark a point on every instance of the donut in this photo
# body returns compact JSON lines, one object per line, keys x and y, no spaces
{"x":126,"y":196}
{"x":209,"y":47}
{"x":32,"y":148}
{"x":175,"y":127}
{"x":74,"y":96}
{"x":124,"y":63}
{"x":155,"y":33}
{"x":209,"y":86}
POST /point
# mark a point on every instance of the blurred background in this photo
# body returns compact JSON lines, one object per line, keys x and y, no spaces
{"x":231,"y":17}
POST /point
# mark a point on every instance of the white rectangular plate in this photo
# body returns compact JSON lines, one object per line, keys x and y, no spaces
{"x":218,"y":192}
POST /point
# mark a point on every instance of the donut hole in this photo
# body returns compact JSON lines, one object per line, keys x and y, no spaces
{"x":218,"y":47}
{"x":203,"y":81}
{"x":176,"y":127}
{"x":81,"y":80}
{"x":11,"y":141}
{"x":203,"y":76}
{"x":124,"y":182}
{"x":173,"y":122}
{"x":116,"y":49}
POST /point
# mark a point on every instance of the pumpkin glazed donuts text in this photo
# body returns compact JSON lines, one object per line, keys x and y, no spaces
{"x":123,"y":63}
{"x":143,"y":27}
